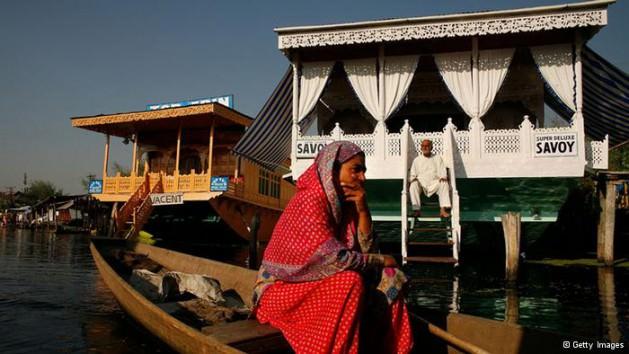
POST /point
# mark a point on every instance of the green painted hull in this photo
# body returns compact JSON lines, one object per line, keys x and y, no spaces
{"x":537,"y":199}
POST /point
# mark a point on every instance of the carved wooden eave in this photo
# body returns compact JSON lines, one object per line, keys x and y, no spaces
{"x":121,"y":124}
{"x":535,"y":19}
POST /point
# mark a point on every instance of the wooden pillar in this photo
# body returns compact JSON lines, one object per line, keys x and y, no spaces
{"x":511,"y":228}
{"x":210,"y":151}
{"x":106,"y":158}
{"x":295,"y":126}
{"x":135,"y":156}
{"x":253,"y":241}
{"x":606,"y":223}
{"x":178,"y":150}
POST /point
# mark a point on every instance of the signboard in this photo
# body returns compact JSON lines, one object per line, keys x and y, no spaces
{"x":555,"y":144}
{"x":219,"y":183}
{"x":95,"y":186}
{"x":310,"y":148}
{"x":166,"y":199}
{"x":227,"y":100}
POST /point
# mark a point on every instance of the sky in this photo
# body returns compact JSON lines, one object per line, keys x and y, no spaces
{"x":62,"y":59}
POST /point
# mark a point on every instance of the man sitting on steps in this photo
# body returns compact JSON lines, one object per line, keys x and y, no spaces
{"x":428,"y":175}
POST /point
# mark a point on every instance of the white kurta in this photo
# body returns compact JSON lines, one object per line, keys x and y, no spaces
{"x":425,"y":173}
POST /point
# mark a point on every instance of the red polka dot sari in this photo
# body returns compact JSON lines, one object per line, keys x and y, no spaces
{"x":315,"y":285}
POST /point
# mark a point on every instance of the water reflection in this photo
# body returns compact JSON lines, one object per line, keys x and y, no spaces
{"x":607,"y":295}
{"x":580,"y":301}
{"x":53,"y":300}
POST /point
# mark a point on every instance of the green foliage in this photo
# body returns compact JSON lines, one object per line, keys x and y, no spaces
{"x":39,"y":190}
{"x":619,"y":158}
{"x":85,"y":181}
{"x":124,"y":171}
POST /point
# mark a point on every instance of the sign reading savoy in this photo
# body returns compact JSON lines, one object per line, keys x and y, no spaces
{"x":555,"y":144}
{"x":166,"y":198}
{"x":310,"y":148}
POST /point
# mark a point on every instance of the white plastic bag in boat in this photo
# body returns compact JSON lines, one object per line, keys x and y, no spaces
{"x":147,"y":283}
{"x":176,"y":284}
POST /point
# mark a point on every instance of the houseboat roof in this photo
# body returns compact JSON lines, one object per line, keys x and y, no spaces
{"x":197,"y":116}
{"x":532,"y":19}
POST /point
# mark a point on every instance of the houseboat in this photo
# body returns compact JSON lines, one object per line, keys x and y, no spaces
{"x":182,"y":154}
{"x":478,"y":85}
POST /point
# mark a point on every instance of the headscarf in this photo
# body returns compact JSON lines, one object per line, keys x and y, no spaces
{"x":337,"y":152}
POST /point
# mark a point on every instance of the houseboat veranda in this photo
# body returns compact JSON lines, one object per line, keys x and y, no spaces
{"x":476,"y":84}
{"x":183,"y":155}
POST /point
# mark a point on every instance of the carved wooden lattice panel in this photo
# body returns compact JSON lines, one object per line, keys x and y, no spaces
{"x":394,"y":147}
{"x":364,"y":141}
{"x":462,"y":139}
{"x":501,"y":142}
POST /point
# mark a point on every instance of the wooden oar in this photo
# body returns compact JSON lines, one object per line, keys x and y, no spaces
{"x":449,"y":338}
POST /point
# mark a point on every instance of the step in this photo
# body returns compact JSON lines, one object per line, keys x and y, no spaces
{"x":432,"y":229}
{"x":431,"y":243}
{"x":428,"y":259}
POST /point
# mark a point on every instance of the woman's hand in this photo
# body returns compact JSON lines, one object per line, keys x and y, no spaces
{"x":355,"y":192}
{"x":389,"y":261}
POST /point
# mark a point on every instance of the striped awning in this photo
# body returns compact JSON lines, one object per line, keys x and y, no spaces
{"x":605,"y":99}
{"x":268,"y":140}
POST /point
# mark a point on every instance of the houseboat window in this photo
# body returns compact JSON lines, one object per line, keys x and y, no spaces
{"x":190,"y":160}
{"x":268,"y":184}
{"x":338,"y":104}
{"x":428,"y":103}
{"x":155,"y":161}
{"x":521,"y":93}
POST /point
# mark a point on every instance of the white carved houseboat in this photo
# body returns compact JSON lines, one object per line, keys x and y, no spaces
{"x":479,"y":85}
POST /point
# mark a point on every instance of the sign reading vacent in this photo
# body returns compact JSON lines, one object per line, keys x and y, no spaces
{"x":310,"y":148}
{"x":555,"y":144}
{"x":166,"y":198}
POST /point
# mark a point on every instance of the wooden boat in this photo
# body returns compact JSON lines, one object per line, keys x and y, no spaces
{"x":234,"y":337}
{"x":441,"y":333}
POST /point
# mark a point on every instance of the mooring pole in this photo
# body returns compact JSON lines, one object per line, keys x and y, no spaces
{"x":253,"y":241}
{"x":511,"y":223}
{"x":606,"y":191}
{"x":112,"y":218}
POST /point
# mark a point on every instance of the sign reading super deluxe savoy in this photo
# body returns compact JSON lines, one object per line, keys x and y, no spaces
{"x":555,"y":144}
{"x":166,"y":198}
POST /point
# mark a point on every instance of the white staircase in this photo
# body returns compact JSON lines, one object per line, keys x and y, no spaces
{"x":433,"y":251}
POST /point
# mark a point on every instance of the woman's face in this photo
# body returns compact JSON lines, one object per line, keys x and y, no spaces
{"x":352,"y":172}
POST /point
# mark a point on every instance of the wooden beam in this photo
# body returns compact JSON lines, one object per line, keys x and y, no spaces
{"x":178,"y":150}
{"x":106,"y":158}
{"x":210,"y":148}
{"x":135,"y":155}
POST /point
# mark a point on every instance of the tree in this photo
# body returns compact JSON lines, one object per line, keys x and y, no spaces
{"x":39,"y":190}
{"x":123,"y":170}
{"x":85,"y":181}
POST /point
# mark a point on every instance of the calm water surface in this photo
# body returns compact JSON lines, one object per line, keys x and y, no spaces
{"x":53,"y":300}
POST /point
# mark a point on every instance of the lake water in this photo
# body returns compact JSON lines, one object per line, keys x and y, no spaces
{"x":53,"y":300}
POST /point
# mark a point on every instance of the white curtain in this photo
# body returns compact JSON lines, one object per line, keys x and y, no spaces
{"x":398,"y":74}
{"x":363,"y":77}
{"x":456,"y":71}
{"x":493,"y":66}
{"x":555,"y":64}
{"x":314,"y":76}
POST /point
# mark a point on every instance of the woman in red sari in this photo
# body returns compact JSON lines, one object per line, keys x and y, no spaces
{"x":321,"y":282}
